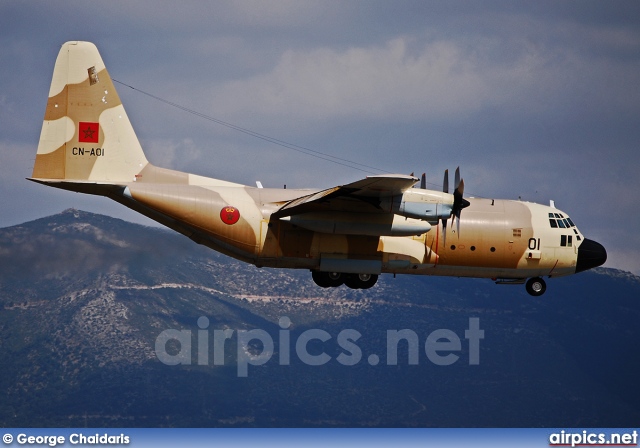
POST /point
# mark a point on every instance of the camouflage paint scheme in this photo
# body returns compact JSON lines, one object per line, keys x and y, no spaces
{"x":88,"y":145}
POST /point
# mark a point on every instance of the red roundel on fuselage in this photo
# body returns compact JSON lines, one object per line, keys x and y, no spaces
{"x":229,"y":215}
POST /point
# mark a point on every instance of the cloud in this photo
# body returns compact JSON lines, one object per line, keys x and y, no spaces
{"x":625,"y":259}
{"x":534,"y":68}
{"x":405,"y":80}
{"x":372,"y":82}
{"x":171,"y":153}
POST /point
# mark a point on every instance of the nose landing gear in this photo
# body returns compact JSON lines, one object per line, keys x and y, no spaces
{"x":536,"y":286}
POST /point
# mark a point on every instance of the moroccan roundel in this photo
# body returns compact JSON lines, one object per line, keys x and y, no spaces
{"x":229,"y":215}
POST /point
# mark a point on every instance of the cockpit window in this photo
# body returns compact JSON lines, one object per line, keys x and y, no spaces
{"x":556,"y":220}
{"x":566,"y":240}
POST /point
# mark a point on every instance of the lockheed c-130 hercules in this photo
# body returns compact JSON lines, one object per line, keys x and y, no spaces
{"x":347,"y":234}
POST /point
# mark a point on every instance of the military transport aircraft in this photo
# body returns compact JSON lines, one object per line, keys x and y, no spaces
{"x":347,"y":234}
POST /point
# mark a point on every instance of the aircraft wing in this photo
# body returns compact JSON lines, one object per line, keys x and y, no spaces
{"x":360,"y":196}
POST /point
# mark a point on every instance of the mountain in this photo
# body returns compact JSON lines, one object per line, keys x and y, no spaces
{"x":85,"y":301}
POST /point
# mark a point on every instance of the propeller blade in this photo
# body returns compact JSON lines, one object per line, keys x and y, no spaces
{"x":445,"y":183}
{"x":423,"y":181}
{"x":444,"y":231}
{"x":457,"y":215}
{"x":459,"y":188}
{"x":458,"y":201}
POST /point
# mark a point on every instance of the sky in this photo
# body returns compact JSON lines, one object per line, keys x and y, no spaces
{"x":538,"y":100}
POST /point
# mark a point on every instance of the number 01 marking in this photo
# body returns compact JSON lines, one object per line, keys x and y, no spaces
{"x":534,"y":244}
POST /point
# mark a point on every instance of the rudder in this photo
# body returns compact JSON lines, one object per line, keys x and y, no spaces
{"x":86,"y":134}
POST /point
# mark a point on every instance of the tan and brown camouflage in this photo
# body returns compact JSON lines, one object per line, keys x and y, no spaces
{"x":350,"y":233}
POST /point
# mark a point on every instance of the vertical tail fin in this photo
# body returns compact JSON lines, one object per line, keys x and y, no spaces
{"x":86,"y":134}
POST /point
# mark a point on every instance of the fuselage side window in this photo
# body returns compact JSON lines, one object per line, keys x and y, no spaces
{"x":563,"y":240}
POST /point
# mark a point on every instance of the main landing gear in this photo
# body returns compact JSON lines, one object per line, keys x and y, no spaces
{"x":335,"y":279}
{"x":536,"y":286}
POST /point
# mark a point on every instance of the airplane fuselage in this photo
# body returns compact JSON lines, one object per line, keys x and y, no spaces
{"x":348,"y":234}
{"x":497,"y":238}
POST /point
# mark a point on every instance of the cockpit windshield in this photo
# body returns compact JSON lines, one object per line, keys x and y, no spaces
{"x":558,"y":220}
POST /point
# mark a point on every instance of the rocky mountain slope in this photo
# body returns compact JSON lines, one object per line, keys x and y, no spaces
{"x":84,"y":299}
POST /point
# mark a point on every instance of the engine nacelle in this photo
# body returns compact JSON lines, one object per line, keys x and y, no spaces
{"x":426,"y":205}
{"x":370,"y":224}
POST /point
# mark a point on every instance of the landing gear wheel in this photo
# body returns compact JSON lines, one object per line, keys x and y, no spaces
{"x":335,"y":279}
{"x":320,"y":279}
{"x":352,"y":281}
{"x":367,"y":280}
{"x":536,"y":286}
{"x":327,"y":279}
{"x":361,"y":281}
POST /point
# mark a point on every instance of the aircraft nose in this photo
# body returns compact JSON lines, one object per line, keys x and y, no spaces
{"x":591,"y":254}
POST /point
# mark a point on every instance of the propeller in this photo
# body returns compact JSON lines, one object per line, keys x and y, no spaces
{"x":458,"y":202}
{"x":445,"y":189}
{"x":423,"y":181}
